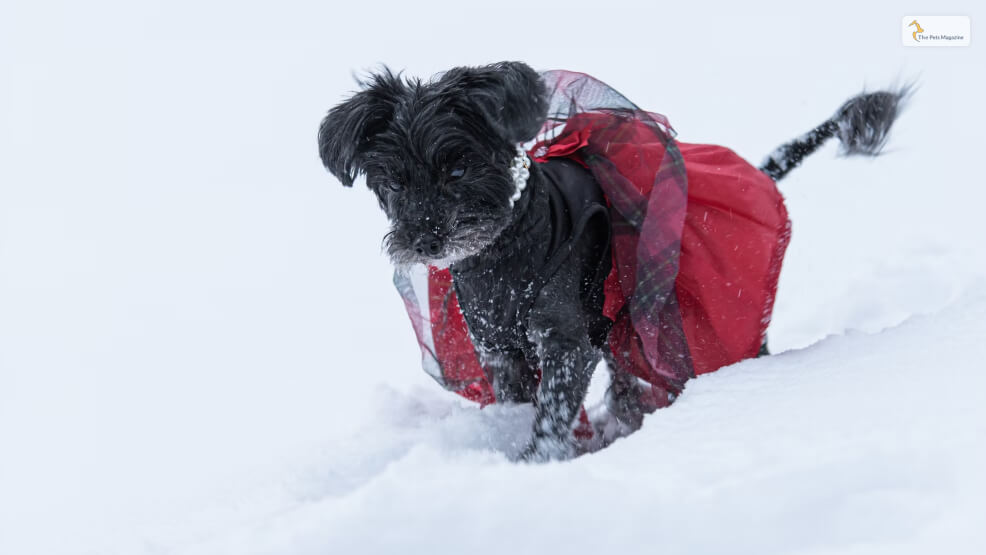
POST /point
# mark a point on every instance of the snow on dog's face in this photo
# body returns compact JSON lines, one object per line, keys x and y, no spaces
{"x":437,"y":154}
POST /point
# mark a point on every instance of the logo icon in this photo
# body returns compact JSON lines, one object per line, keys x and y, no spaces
{"x":917,"y":31}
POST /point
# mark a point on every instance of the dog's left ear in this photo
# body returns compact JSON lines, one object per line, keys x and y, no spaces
{"x":347,"y":132}
{"x":509,"y":95}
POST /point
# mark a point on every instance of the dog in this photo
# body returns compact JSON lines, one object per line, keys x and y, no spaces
{"x":441,"y":157}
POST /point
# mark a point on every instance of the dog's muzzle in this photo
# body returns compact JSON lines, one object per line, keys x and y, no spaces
{"x":428,"y":244}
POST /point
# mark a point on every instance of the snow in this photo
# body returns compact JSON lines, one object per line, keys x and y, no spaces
{"x":201,"y":351}
{"x":754,"y":459}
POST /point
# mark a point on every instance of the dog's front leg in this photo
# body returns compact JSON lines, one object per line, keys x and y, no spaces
{"x":514,"y":381}
{"x":556,"y":329}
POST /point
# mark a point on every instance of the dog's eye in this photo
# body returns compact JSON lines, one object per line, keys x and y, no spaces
{"x":393,"y":186}
{"x":457,"y":172}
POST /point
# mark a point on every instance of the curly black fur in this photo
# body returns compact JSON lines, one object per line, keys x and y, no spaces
{"x":437,"y":153}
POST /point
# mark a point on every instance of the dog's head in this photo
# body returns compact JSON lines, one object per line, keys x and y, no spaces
{"x":437,"y":154}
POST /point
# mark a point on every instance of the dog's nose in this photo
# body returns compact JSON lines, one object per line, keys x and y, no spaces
{"x":428,"y":244}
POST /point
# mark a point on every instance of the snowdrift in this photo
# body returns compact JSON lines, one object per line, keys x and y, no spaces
{"x":858,"y":444}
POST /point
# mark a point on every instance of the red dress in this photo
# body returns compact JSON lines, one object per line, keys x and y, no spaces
{"x":698,"y":236}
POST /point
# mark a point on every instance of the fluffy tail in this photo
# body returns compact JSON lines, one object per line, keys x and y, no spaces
{"x":862,"y":125}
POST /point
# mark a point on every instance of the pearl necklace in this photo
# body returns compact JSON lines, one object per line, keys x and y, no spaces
{"x":519,"y":171}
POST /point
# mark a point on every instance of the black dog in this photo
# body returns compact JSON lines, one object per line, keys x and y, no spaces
{"x":441,"y":156}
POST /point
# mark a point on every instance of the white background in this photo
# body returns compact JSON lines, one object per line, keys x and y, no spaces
{"x":193,"y":313}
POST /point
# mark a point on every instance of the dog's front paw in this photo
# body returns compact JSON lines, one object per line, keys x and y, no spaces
{"x":607,"y":427}
{"x":545,"y":448}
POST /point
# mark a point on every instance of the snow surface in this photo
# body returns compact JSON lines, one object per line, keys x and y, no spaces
{"x":201,"y":351}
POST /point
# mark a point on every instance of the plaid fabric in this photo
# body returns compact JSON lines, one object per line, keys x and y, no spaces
{"x":633,"y":156}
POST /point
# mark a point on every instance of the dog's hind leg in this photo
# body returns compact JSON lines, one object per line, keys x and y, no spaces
{"x":624,"y":410}
{"x":623,"y":399}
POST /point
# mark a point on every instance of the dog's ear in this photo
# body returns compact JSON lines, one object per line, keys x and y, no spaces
{"x":346,"y":134}
{"x":509,"y":95}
